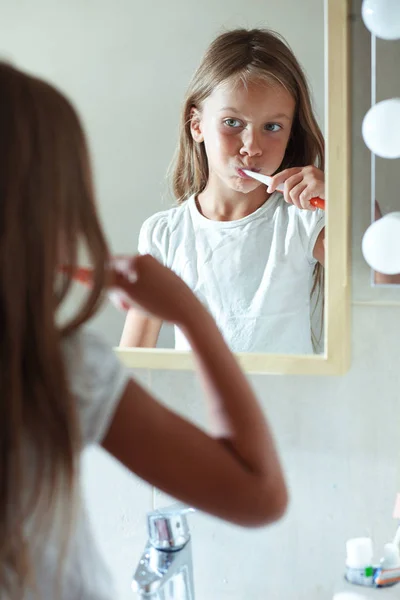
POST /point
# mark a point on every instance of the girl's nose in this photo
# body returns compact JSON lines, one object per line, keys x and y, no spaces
{"x":251,"y":145}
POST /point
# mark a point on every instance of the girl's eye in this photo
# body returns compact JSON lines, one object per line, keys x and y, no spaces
{"x":273,"y":127}
{"x":232,"y":123}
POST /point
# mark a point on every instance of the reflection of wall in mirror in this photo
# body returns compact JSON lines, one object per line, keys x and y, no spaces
{"x":127,"y":69}
{"x":387,"y":179}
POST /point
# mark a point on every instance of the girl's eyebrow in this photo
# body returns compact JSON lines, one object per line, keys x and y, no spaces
{"x":280,"y":116}
{"x":270,"y":118}
{"x":230,"y":108}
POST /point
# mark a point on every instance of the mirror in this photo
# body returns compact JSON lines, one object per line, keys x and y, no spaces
{"x":127,"y":73}
{"x":247,"y":254}
{"x":385,"y":197}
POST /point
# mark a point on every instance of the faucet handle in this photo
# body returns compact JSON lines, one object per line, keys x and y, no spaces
{"x":168,"y":527}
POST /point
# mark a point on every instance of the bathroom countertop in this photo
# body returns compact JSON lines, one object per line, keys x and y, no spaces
{"x":391,"y":593}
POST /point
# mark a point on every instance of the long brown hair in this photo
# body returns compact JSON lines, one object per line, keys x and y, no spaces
{"x":249,"y":55}
{"x":47,"y":212}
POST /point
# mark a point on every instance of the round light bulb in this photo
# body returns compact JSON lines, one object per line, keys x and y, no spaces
{"x":381,"y":244}
{"x":381,"y":128}
{"x":382,"y":18}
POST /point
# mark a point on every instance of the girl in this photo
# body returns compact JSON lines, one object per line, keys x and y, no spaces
{"x":61,"y":388}
{"x":252,"y":259}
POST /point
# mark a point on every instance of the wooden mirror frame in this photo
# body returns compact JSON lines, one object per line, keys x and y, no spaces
{"x":336,"y":358}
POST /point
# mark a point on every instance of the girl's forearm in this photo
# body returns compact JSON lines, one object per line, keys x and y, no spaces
{"x":235,"y":413}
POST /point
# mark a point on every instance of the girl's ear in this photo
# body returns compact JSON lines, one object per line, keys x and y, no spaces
{"x":195,"y":125}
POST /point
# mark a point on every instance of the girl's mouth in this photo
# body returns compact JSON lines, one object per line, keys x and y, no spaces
{"x":243,"y":175}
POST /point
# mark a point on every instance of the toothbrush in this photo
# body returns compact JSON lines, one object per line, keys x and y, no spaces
{"x":116,"y":292}
{"x":81,"y":274}
{"x":317,"y":202}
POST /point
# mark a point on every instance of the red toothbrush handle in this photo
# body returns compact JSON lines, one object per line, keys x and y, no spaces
{"x":116,"y":292}
{"x":81,"y":274}
{"x":318,"y":203}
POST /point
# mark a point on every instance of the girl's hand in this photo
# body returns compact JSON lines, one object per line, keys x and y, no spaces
{"x":300,"y":185}
{"x":142,"y":282}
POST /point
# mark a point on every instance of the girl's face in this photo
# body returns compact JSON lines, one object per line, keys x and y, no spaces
{"x":244,"y":128}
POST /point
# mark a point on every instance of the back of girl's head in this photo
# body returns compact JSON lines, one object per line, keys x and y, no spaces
{"x":244,"y":56}
{"x":46,"y":210}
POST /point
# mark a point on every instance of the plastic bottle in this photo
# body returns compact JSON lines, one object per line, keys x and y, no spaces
{"x":359,"y":569}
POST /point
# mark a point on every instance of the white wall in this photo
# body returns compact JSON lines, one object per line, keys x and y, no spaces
{"x":338,"y":436}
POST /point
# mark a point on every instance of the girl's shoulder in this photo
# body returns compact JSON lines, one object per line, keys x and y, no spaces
{"x":310,"y":220}
{"x":96,"y":380}
{"x":305,"y":221}
{"x":165,"y":222}
{"x":309,"y":224}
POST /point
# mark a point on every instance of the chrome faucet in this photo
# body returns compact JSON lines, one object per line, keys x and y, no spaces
{"x":165,"y":569}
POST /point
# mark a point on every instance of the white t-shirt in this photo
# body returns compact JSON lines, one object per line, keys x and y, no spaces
{"x":97,"y":380}
{"x":253,"y":274}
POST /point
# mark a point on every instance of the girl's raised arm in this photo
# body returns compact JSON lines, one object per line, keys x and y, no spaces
{"x":233,"y":472}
